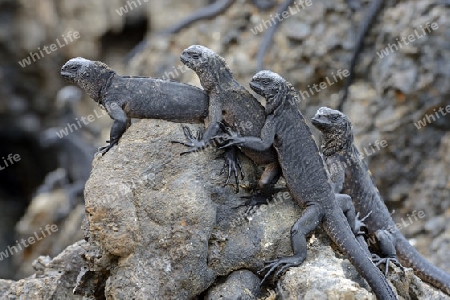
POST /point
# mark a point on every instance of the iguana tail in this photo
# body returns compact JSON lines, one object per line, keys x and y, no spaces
{"x":426,"y":271}
{"x":335,"y":227}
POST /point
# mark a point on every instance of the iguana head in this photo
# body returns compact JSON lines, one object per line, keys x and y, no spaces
{"x":336,"y":129}
{"x":271,"y":86}
{"x":208,"y":65}
{"x":89,"y":75}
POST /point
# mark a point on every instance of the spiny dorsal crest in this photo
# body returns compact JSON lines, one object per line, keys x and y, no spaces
{"x":102,"y":65}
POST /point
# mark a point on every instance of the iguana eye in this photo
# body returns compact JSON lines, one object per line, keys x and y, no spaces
{"x":265,"y":81}
{"x":195,"y":56}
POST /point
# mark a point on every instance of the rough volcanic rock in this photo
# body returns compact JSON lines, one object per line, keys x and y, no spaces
{"x":54,"y":278}
{"x":42,"y":213}
{"x":388,"y":98}
{"x":239,"y":285}
{"x":169,"y":230}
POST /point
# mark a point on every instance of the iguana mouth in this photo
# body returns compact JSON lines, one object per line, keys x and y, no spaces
{"x":256,"y":88}
{"x":67,"y":75}
{"x":67,"y":72}
{"x":186,"y":60}
{"x":183,"y":59}
{"x":320,"y":121}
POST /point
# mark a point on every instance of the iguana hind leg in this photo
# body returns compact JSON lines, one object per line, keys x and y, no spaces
{"x":345,"y":203}
{"x":310,"y":219}
{"x":387,"y":251}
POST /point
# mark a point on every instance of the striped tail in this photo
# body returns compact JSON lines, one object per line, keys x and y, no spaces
{"x":426,"y":271}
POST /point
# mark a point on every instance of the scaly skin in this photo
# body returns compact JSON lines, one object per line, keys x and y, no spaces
{"x":343,"y":157}
{"x":307,"y":180}
{"x":230,"y":103}
{"x":126,"y":97}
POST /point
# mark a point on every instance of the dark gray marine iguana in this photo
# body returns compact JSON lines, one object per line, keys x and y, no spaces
{"x":229,"y":103}
{"x":343,"y":160}
{"x":126,"y":97}
{"x":307,"y":180}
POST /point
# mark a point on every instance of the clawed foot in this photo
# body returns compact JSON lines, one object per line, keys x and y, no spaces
{"x":359,"y":223}
{"x":253,"y":201}
{"x":106,"y":148}
{"x":261,"y":197}
{"x":283,"y":263}
{"x":194,"y":141}
{"x":231,"y":137}
{"x":377,"y":260}
{"x":233,"y":165}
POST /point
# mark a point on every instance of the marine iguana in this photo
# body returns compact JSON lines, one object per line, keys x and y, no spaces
{"x":343,"y":159}
{"x":126,"y":97}
{"x":307,"y":180}
{"x":230,"y":103}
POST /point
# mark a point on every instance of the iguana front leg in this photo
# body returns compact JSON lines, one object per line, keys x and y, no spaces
{"x":196,"y":142}
{"x":345,"y":203}
{"x":202,"y":140}
{"x":120,"y":124}
{"x":260,"y":144}
{"x":272,"y":172}
{"x":199,"y":141}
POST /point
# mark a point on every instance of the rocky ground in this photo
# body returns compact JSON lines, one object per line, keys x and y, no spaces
{"x":165,"y":217}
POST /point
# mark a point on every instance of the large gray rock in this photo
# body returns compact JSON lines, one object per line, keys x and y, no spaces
{"x":388,"y":96}
{"x":165,"y":227}
{"x":149,"y":207}
{"x":239,"y":285}
{"x":325,"y":275}
{"x":162,"y":226}
{"x":166,"y":219}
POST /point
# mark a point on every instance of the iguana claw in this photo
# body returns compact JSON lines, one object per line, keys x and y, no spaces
{"x":377,"y":260}
{"x":106,"y":148}
{"x":194,"y":141}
